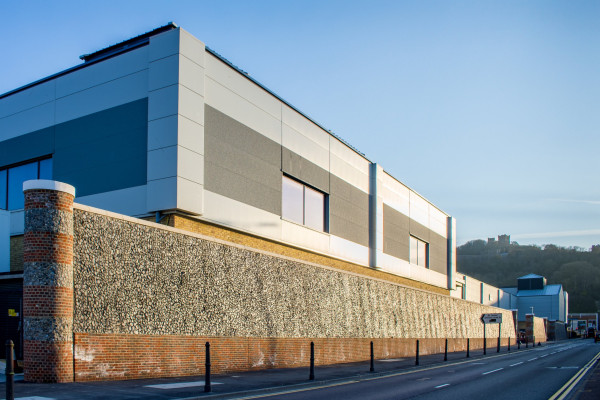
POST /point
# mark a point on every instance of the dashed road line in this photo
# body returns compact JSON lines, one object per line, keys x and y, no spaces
{"x":178,"y":385}
{"x":532,"y":359}
{"x":514,"y":365}
{"x":441,"y":386}
{"x":492,"y":371}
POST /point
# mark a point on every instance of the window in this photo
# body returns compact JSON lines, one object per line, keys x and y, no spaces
{"x":419,"y":252}
{"x":11,"y":182}
{"x":302,"y":204}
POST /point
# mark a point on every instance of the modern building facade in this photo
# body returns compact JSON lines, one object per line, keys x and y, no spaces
{"x":162,"y":127}
{"x":535,"y":296}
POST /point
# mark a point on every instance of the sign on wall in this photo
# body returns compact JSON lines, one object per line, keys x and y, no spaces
{"x":495,"y":318}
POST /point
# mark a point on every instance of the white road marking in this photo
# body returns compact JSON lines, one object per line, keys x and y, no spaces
{"x":34,"y":398}
{"x":441,"y":386}
{"x":533,"y":359}
{"x":553,"y":352}
{"x":543,"y":356}
{"x":492,"y":371}
{"x":178,"y":385}
{"x":519,"y":363}
{"x":391,"y":360}
{"x":477,"y":363}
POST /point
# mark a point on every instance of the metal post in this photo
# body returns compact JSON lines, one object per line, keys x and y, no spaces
{"x":526,"y":342}
{"x":9,"y":371}
{"x":499,"y":334}
{"x":446,"y":351}
{"x":207,"y":387}
{"x":484,"y":341}
{"x":468,"y":348}
{"x":372,"y":369}
{"x":509,"y":344}
{"x":417,"y":358}
{"x":311,"y":375}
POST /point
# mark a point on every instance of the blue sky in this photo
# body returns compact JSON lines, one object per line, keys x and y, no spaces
{"x":490,"y":109}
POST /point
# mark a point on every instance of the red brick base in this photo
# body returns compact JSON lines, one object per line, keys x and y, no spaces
{"x":109,"y":357}
{"x":47,"y":362}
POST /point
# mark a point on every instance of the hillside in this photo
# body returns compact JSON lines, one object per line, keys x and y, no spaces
{"x":501,"y":263}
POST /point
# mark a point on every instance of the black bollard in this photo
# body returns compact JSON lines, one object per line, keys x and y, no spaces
{"x":446,"y":351}
{"x":468,"y":348}
{"x":9,"y":371}
{"x":417,"y":359}
{"x":518,"y":344}
{"x":207,"y":387}
{"x":509,"y":344}
{"x":311,"y":375}
{"x":372,"y":369}
{"x":498,"y":349}
{"x":526,"y":343}
{"x":539,"y":344}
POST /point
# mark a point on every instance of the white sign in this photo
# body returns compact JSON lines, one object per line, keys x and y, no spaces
{"x":491,"y":318}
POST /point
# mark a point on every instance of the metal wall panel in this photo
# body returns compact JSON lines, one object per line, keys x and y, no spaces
{"x":240,"y":163}
{"x":304,"y":170}
{"x":348,"y":211}
{"x":396,"y":229}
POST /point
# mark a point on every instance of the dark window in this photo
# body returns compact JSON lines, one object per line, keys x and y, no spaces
{"x":12,"y":178}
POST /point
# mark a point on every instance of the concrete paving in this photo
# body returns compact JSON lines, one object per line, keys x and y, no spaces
{"x":233,"y":384}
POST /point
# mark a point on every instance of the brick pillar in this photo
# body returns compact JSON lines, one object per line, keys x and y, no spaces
{"x":48,"y":281}
{"x":529,"y":328}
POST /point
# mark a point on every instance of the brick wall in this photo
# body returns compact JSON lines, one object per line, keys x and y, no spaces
{"x":16,"y":253}
{"x":144,"y":356}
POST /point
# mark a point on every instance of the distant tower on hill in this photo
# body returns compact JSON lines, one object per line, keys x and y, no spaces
{"x":504,"y":239}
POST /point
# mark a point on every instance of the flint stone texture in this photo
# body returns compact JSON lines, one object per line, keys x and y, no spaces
{"x":49,"y":220}
{"x":48,"y":274}
{"x":48,"y":329}
{"x":131,"y":278}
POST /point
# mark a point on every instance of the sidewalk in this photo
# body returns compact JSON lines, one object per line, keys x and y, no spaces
{"x":234,"y":384}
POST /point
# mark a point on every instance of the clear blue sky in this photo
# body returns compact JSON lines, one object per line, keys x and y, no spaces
{"x":490,"y":109}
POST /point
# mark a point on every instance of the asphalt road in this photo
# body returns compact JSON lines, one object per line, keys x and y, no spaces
{"x":535,"y":374}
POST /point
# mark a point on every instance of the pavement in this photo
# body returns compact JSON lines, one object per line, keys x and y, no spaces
{"x":589,"y":388}
{"x":240,"y":384}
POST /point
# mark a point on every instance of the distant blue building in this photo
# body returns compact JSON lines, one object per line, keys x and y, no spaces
{"x":548,"y":301}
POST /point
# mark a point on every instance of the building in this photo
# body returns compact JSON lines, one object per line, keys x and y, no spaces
{"x":160,"y":126}
{"x":535,"y":296}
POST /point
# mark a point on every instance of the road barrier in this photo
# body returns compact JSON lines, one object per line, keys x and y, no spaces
{"x":207,"y":387}
{"x":372,"y":369}
{"x":446,"y":351}
{"x":417,"y":359}
{"x":311,"y":375}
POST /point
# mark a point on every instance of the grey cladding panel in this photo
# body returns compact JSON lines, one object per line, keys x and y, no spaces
{"x":25,"y":147}
{"x":396,"y":230}
{"x":103,"y":151}
{"x":304,"y":170}
{"x":438,"y":255}
{"x":240,"y":163}
{"x":348,"y":211}
{"x":419,"y":231}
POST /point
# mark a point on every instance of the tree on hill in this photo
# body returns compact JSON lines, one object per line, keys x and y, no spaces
{"x":500,"y":264}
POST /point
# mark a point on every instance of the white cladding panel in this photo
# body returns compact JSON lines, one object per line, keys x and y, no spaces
{"x":231,"y":79}
{"x":438,"y":221}
{"x":27,"y":121}
{"x":129,"y":201}
{"x":28,"y":98}
{"x":301,"y":124}
{"x":102,"y":72}
{"x":347,"y":250}
{"x":303,"y":146}
{"x":419,"y":209}
{"x":229,"y":212}
{"x":302,"y":236}
{"x":240,"y":109}
{"x":348,"y":165}
{"x":110,"y":94}
{"x":395,"y":194}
